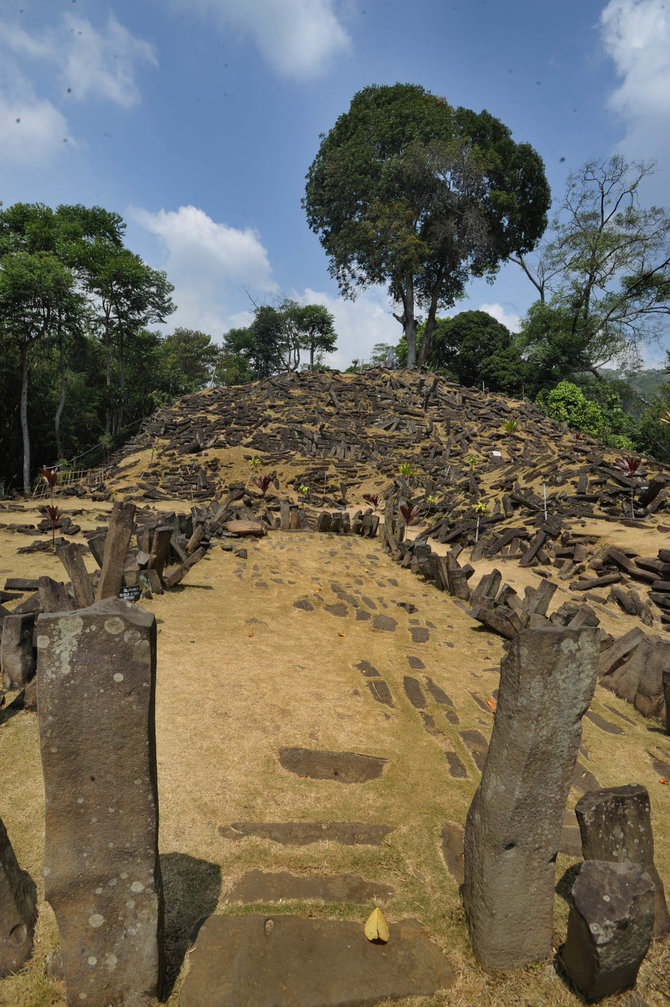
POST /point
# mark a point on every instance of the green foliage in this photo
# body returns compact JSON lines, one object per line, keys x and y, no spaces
{"x":603,"y":279}
{"x":567,"y":403}
{"x":408,"y":192}
{"x":67,"y":284}
{"x":272,"y":344}
{"x":475,"y":348}
{"x":187,"y":359}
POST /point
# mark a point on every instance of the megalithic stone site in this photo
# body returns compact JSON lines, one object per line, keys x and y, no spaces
{"x":96,"y":686}
{"x":513,"y":827}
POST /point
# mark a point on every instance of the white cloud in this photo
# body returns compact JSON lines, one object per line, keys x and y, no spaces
{"x":32,"y":130}
{"x":209,"y":264}
{"x":508,"y":318}
{"x":636,"y":35}
{"x":87,"y":62}
{"x":359,"y":324}
{"x":297,"y":38}
{"x":102,"y":64}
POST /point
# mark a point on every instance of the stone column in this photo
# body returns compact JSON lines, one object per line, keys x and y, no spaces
{"x":18,"y":909}
{"x":119,"y":533}
{"x":513,"y":827}
{"x":615,"y":825}
{"x":16,"y":650}
{"x":96,"y":683}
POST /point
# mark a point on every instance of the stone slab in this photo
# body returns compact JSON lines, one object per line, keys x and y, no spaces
{"x":304,"y":833}
{"x":286,"y":961}
{"x":263,"y":886}
{"x":343,"y":767}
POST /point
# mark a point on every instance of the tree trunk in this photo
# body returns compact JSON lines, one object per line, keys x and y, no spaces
{"x":61,"y":401}
{"x":409,"y":331}
{"x":24,"y":419}
{"x":408,"y":322}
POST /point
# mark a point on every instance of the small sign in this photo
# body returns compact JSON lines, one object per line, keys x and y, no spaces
{"x":130,"y":593}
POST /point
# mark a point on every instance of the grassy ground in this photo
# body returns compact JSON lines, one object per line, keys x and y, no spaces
{"x":242,"y":673}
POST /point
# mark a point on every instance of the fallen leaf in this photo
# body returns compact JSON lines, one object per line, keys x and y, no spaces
{"x":251,"y":632}
{"x":376,"y":927}
{"x":341,"y":634}
{"x":493,"y":703}
{"x":662,"y":779}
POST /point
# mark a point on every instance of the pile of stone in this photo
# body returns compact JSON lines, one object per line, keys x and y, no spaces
{"x":461,"y":444}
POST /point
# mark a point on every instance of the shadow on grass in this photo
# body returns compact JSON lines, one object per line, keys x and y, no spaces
{"x":191,"y":888}
{"x":565,"y":883}
{"x":13,"y":708}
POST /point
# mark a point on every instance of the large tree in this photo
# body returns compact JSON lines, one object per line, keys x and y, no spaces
{"x":602,"y":278}
{"x":476,"y":348}
{"x":409,"y":192}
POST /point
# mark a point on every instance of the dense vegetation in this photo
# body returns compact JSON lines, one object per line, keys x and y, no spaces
{"x":405,"y":190}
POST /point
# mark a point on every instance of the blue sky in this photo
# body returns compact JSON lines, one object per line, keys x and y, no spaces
{"x":197,"y":121}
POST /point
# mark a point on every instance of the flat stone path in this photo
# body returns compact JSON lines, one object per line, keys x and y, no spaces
{"x":261,"y":961}
{"x":344,"y":670}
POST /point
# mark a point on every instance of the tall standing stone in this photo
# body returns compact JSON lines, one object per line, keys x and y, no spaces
{"x":615,"y":825}
{"x":18,"y":909}
{"x":513,"y":827}
{"x":96,"y":682}
{"x":118,"y":537}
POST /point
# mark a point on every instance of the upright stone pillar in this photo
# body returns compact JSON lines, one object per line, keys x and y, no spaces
{"x":16,"y":650}
{"x":96,"y":683}
{"x":615,"y":825}
{"x":118,"y":537}
{"x":513,"y":827}
{"x":18,"y":909}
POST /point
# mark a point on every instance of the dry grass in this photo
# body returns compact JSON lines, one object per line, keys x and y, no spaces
{"x":241,"y":673}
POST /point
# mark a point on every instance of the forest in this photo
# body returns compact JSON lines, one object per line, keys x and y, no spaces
{"x":420,"y":208}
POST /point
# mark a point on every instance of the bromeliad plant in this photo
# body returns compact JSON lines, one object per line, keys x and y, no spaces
{"x":629,"y":465}
{"x":264,"y":483}
{"x":372,"y":499}
{"x":53,"y":512}
{"x":409,"y":513}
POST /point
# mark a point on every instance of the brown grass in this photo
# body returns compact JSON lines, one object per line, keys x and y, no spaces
{"x":241,"y":673}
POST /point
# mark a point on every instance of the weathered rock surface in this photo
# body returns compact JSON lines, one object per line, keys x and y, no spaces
{"x":116,"y":546}
{"x":286,"y":961}
{"x":609,"y":927}
{"x":615,"y":825}
{"x":264,"y":886}
{"x":513,"y":827}
{"x":18,"y":909}
{"x":344,"y":767}
{"x":16,"y":650}
{"x":96,"y":683}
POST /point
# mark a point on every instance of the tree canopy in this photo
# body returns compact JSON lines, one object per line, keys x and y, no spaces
{"x":603,"y":277}
{"x":64,"y":273}
{"x":273,"y":342}
{"x":409,"y":192}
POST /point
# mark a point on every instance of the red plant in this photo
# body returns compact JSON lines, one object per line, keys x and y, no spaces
{"x":629,"y":464}
{"x":51,"y":476}
{"x":577,"y":435}
{"x":409,"y":513}
{"x":372,"y":499}
{"x":263,"y":483}
{"x":53,"y":513}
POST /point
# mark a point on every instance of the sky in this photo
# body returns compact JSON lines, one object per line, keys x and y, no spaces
{"x":197,"y":121}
